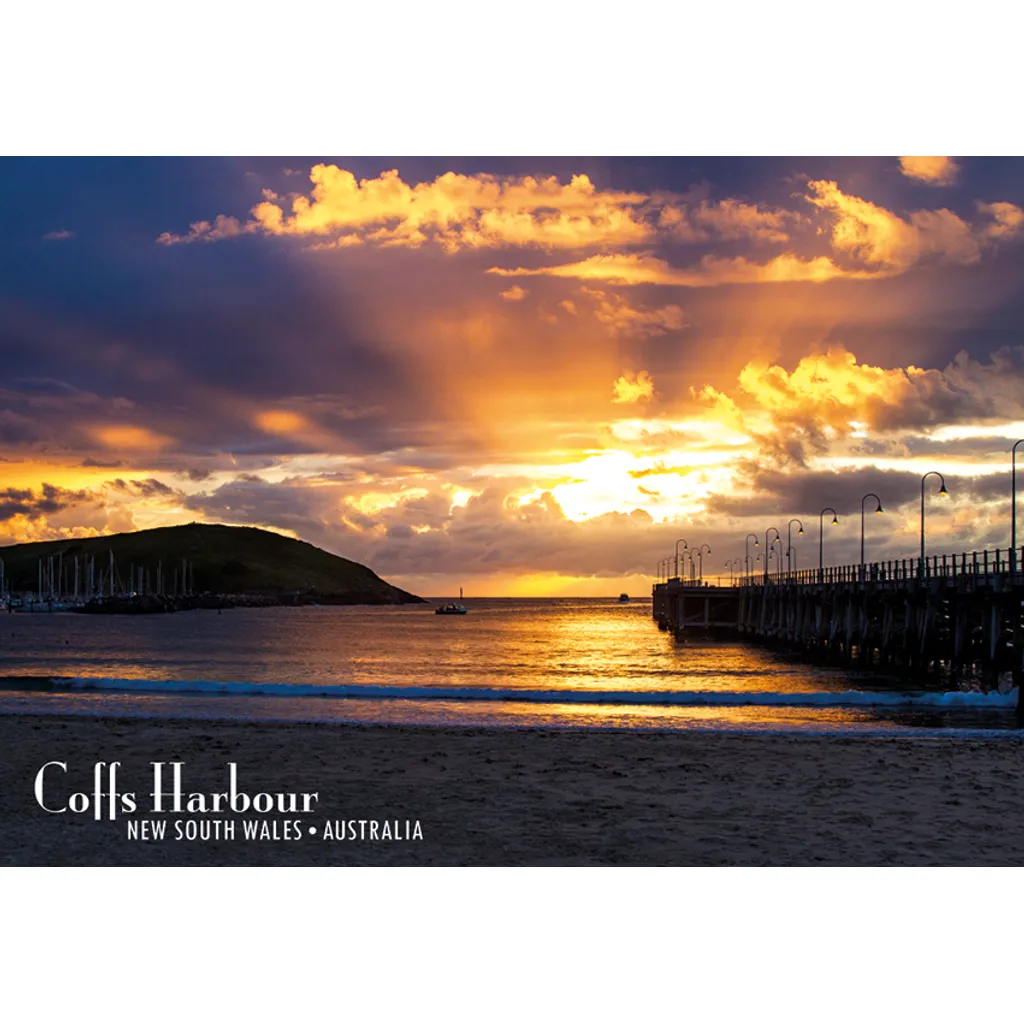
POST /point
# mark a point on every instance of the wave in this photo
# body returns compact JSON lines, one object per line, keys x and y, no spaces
{"x":678,"y":698}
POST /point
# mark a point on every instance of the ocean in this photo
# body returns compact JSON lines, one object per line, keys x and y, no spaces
{"x":555,"y":662}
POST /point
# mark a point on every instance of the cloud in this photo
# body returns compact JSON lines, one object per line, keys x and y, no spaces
{"x":123,"y":437}
{"x":26,"y":502}
{"x":616,"y":313}
{"x":456,"y":211}
{"x":58,"y":236}
{"x":514,"y":294}
{"x":644,"y":268}
{"x":880,"y":239}
{"x":828,"y":396}
{"x":728,"y":219}
{"x":1008,"y":221}
{"x":931,"y":170}
{"x":493,"y":531}
{"x":148,"y":488}
{"x":203,"y":231}
{"x":482,"y":211}
{"x":628,"y":389}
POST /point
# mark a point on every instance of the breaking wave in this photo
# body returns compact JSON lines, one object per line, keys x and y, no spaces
{"x":679,"y":698}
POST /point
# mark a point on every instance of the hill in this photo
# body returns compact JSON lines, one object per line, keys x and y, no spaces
{"x":237,"y":560}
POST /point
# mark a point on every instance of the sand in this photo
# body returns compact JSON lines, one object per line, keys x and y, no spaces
{"x":537,"y":797}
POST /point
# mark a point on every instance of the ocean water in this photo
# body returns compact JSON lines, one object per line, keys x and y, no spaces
{"x":583,"y":663}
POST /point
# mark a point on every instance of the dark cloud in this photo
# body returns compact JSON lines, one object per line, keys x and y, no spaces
{"x":38,"y":504}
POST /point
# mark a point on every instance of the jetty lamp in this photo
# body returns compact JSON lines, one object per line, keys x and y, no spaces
{"x":685,"y":546}
{"x":941,"y":490}
{"x":1013,"y":506}
{"x":746,"y":560}
{"x":821,"y":540}
{"x":878,"y":512}
{"x":770,"y":545}
{"x":700,"y":561}
{"x":789,"y":542}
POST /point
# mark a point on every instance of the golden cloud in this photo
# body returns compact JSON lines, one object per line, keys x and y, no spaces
{"x":478,"y":211}
{"x":282,"y":422}
{"x":120,"y":436}
{"x":455,"y":210}
{"x":932,"y":170}
{"x":643,"y":268}
{"x":831,"y":395}
{"x":514,"y":294}
{"x":877,"y":237}
{"x":628,"y":389}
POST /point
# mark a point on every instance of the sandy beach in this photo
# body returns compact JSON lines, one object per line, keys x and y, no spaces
{"x":505,"y":797}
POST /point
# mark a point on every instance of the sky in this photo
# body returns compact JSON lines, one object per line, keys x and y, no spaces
{"x":522,"y":376}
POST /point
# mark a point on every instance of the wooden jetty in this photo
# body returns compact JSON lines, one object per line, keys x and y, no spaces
{"x":956,"y":618}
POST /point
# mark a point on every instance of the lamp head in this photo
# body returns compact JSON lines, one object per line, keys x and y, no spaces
{"x":942,"y":489}
{"x":801,"y":530}
{"x":835,"y":520}
{"x":878,"y":511}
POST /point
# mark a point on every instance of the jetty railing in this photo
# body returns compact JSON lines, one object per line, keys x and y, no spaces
{"x":996,"y":562}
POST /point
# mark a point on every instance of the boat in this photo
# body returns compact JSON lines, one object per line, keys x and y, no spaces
{"x":623,"y":598}
{"x":452,"y":608}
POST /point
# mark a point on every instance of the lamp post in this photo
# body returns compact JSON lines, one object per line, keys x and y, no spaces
{"x":789,"y":543}
{"x":700,"y":561}
{"x":821,"y":540}
{"x":768,"y":554}
{"x":1013,"y":506}
{"x":746,"y":561}
{"x":878,"y":511}
{"x":941,"y":490}
{"x":685,"y":546}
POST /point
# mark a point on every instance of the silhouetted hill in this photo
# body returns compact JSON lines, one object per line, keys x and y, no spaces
{"x":223,"y":560}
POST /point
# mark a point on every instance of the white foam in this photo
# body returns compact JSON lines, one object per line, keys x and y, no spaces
{"x":682,"y":698}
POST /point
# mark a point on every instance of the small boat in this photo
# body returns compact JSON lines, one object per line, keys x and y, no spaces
{"x":453,"y":608}
{"x":450,"y":609}
{"x":623,"y":598}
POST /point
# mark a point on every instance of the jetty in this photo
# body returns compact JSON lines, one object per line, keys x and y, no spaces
{"x":955,"y":617}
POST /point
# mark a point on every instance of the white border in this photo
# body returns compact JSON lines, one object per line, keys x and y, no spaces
{"x":555,"y":78}
{"x":540,"y":77}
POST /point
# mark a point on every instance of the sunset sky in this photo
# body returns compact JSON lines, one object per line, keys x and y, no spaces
{"x":521,"y":375}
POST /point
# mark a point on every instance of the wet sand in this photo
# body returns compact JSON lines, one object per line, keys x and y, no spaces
{"x":532,"y":797}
